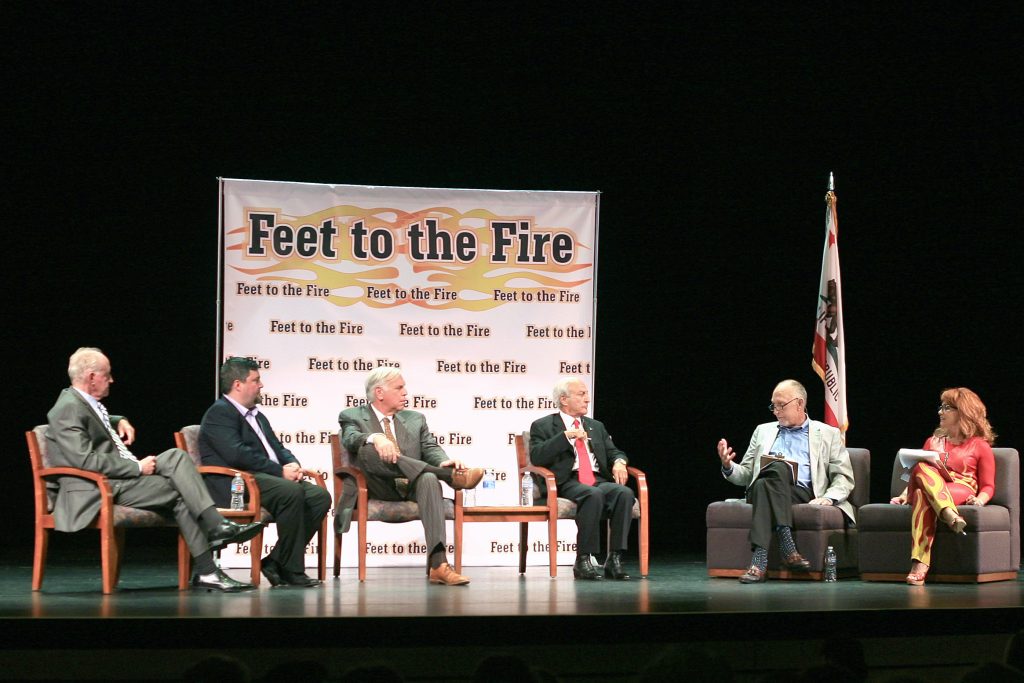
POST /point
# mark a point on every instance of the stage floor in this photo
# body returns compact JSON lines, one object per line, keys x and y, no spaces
{"x":396,"y":616}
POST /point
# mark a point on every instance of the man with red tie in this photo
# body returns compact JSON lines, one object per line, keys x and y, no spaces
{"x":590,"y":471}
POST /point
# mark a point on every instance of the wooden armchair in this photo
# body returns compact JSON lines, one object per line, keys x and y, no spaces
{"x":111,"y":521}
{"x":563,"y":508}
{"x":370,"y":510}
{"x":188,"y":440}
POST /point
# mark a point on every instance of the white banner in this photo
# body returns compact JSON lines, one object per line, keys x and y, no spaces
{"x":483,"y":298}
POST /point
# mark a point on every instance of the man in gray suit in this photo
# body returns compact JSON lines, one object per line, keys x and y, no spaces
{"x":824,"y":475}
{"x":83,"y":434}
{"x":394,"y":446}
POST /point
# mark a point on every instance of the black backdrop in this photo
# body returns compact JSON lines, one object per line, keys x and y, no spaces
{"x":710,"y":130}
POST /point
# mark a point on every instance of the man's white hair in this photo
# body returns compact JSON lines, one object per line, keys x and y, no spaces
{"x":562,"y":389}
{"x":378,"y":377}
{"x":83,"y":361}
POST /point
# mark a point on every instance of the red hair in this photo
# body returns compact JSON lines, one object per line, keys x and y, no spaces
{"x":973,"y":417}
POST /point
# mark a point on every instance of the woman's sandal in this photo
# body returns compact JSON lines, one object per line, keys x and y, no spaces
{"x":955,"y":522}
{"x":917,"y":578}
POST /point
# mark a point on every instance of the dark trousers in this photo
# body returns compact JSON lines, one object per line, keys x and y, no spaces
{"x":298,"y":508}
{"x":773,"y":495}
{"x":604,"y":500}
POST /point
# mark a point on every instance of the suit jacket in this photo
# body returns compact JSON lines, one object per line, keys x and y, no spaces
{"x":78,"y":438}
{"x":227,"y":439}
{"x":549,"y":447}
{"x":831,"y":472}
{"x":410,"y":429}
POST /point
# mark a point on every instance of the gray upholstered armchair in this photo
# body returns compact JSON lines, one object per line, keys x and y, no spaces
{"x":989,"y":552}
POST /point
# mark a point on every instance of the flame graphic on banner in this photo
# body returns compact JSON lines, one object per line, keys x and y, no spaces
{"x":467,"y":286}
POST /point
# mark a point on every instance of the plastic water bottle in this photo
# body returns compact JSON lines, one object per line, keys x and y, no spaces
{"x":237,"y":492}
{"x":469,"y":498}
{"x":829,"y":574}
{"x":487,"y":488}
{"x":527,"y":497}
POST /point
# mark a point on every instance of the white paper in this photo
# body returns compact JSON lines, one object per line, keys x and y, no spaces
{"x":909,"y":457}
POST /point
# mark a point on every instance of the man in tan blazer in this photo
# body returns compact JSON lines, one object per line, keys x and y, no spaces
{"x":824,"y":475}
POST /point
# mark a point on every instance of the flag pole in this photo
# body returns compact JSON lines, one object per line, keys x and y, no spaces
{"x":828,"y":356}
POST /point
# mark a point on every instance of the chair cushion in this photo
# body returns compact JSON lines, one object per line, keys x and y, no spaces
{"x":567,"y":509}
{"x":729,"y":514}
{"x":738,"y":514}
{"x":401,"y":511}
{"x":136,"y":518}
{"x":886,"y":517}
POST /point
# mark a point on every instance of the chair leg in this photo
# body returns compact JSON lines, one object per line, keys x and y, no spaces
{"x":119,"y":534}
{"x":39,"y":556}
{"x":256,"y":555}
{"x":643,"y":538}
{"x":184,"y":564}
{"x":337,"y":554}
{"x":361,"y":550}
{"x":321,"y":551}
{"x":108,"y":559}
{"x":553,"y":546}
{"x":524,"y":539}
{"x":458,"y":543}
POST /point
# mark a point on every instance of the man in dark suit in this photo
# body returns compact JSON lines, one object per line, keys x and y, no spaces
{"x":590,"y":471}
{"x":83,"y":434}
{"x":392,"y":445}
{"x":234,"y":433}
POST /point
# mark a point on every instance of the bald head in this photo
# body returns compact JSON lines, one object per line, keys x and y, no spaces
{"x":789,"y":403}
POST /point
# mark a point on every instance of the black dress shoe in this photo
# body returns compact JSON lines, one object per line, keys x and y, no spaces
{"x":272,"y":571}
{"x":228,"y":532}
{"x":219,"y":581}
{"x":300,"y":580}
{"x":613,"y":567}
{"x":584,"y":569}
{"x":279,"y":576}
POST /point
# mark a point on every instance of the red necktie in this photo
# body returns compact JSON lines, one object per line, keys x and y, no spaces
{"x":586,"y":471}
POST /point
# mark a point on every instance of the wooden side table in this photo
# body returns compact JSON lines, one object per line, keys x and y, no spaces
{"x":510,"y":513}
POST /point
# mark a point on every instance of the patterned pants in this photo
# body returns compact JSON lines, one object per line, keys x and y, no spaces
{"x":929,"y":494}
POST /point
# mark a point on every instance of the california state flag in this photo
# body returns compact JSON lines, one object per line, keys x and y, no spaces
{"x":829,"y":359}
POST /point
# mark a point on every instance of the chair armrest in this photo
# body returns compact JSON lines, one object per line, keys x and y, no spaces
{"x":74,"y":472}
{"x":319,"y":478}
{"x":549,"y":478}
{"x":353,"y":472}
{"x":250,"y":484}
{"x":641,"y":478}
{"x":102,"y":483}
{"x":362,"y":495}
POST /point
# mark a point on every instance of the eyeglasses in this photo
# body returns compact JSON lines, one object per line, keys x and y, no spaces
{"x":774,"y":408}
{"x":945,"y":408}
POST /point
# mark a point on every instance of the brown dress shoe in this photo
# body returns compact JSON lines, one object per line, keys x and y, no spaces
{"x":796,"y":561}
{"x":447,"y":576}
{"x":754,"y":575}
{"x":467,"y":478}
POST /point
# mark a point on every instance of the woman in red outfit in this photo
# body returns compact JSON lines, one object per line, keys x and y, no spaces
{"x":964,"y":440}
